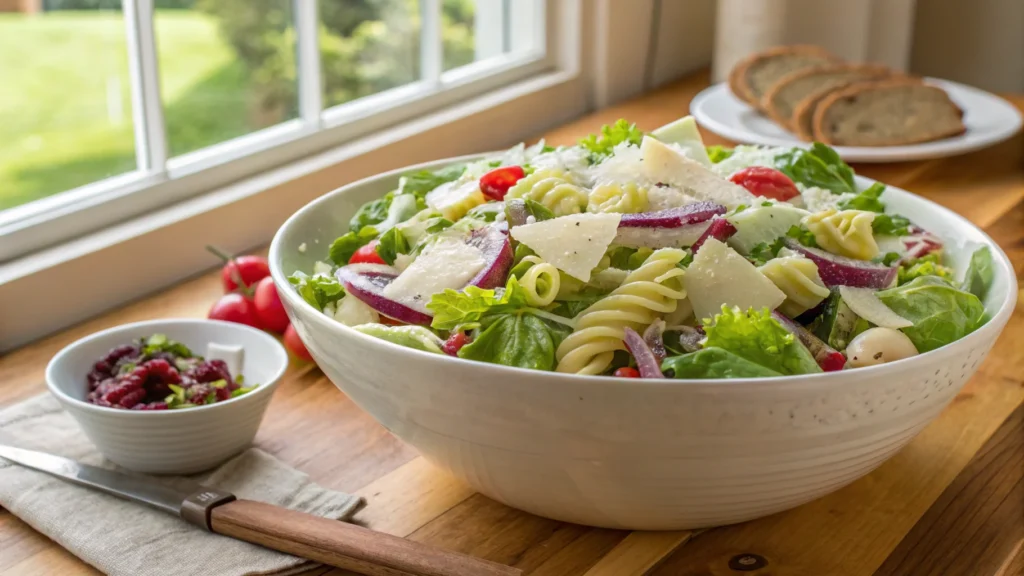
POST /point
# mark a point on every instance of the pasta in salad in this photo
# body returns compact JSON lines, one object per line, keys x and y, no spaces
{"x":648,"y":255}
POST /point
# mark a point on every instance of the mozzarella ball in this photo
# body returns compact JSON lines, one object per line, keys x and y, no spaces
{"x":878,"y":346}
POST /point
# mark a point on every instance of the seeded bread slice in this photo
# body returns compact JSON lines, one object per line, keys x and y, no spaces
{"x":887,"y":113}
{"x":752,"y":76}
{"x":782,"y":98}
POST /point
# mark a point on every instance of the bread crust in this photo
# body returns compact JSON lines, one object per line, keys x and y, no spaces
{"x":860,"y":87}
{"x":803,"y":114}
{"x":870,"y":71}
{"x":738,"y":75}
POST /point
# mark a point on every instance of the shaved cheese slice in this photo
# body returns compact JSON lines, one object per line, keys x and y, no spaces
{"x":574,"y":244}
{"x":865,"y":303}
{"x":447,"y":263}
{"x":719,"y":275}
{"x":664,"y":164}
{"x":683,"y":133}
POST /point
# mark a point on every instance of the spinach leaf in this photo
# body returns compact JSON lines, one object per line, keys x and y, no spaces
{"x":391,"y":244}
{"x":980,"y":274}
{"x":718,"y":153}
{"x":373,"y":212}
{"x":538,"y":210}
{"x":713,"y":363}
{"x":890,"y":225}
{"x":518,"y":339}
{"x":866,"y":200}
{"x":626,"y":258}
{"x":419,"y":183}
{"x":819,"y":166}
{"x":941,"y":314}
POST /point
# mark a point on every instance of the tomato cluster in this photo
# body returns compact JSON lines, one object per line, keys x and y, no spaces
{"x":251,"y":298}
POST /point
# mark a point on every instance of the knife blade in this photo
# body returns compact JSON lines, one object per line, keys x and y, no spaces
{"x":330,"y":542}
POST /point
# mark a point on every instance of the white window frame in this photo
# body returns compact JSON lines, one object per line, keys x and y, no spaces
{"x":160,"y":181}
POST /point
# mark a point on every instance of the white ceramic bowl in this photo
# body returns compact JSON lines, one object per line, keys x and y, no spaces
{"x":637,"y":454}
{"x":170,"y":441}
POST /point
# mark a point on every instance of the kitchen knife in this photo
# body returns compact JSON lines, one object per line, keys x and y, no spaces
{"x":330,"y":542}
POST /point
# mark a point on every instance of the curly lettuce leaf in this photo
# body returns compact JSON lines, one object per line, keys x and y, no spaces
{"x":466,"y":308}
{"x":980,"y":273}
{"x":927,"y":265}
{"x":611,"y":135}
{"x":819,"y":166}
{"x":757,"y":337}
{"x":416,"y":337}
{"x":318,"y":290}
{"x":941,"y":313}
{"x":718,"y":153}
{"x":521,"y":340}
{"x":867,"y":200}
{"x":713,"y":363}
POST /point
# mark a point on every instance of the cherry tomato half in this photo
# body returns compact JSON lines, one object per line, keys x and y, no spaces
{"x":367,"y":255}
{"x":627,"y":372}
{"x":766,"y":182}
{"x":495,"y":184}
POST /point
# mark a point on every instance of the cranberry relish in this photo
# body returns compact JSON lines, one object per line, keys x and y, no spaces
{"x":157,"y":373}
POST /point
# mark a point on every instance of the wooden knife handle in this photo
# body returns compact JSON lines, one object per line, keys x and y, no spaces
{"x":343,"y":545}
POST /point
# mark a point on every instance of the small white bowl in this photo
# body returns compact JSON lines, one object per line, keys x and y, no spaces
{"x":170,"y":441}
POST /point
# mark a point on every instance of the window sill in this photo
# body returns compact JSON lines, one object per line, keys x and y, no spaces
{"x":64,"y":284}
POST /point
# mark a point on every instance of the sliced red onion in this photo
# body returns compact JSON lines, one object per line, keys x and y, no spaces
{"x":720,"y":229}
{"x":920,"y":243}
{"x":653,"y":336}
{"x":828,"y":358}
{"x":690,"y":338}
{"x":646,"y":361}
{"x":497,"y":251}
{"x":841,"y":271}
{"x":673,"y":217}
{"x":680,"y":237}
{"x":368,"y":285}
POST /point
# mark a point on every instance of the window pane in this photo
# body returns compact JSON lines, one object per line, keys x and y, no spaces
{"x":472,"y":30}
{"x":65,"y":102}
{"x":368,"y":46}
{"x":227,"y":68}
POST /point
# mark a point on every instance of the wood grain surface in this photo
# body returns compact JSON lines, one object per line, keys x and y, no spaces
{"x":951,"y":503}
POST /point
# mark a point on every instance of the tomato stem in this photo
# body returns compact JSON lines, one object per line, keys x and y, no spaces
{"x":235,"y":274}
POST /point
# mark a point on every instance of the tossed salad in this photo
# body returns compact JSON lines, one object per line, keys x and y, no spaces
{"x":648,"y":255}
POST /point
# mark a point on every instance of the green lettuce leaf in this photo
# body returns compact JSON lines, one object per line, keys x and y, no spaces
{"x":718,"y":153}
{"x":373,"y":212}
{"x":941,"y":313}
{"x":980,"y":273}
{"x":757,"y":337}
{"x":626,"y":258}
{"x":344,"y":247}
{"x":713,"y":363}
{"x":611,"y":135}
{"x":819,"y":166}
{"x":521,"y":340}
{"x":391,"y":244}
{"x":419,"y":183}
{"x":890,"y":225}
{"x":318,"y":290}
{"x":538,"y":210}
{"x":803,"y":236}
{"x":417,"y":337}
{"x":866,"y":200}
{"x":927,"y":265}
{"x":763,"y":251}
{"x":465,"y":309}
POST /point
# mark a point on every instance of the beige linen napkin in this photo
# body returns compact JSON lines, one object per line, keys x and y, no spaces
{"x":124,"y":538}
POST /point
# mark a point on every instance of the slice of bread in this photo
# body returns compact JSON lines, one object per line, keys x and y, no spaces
{"x":752,"y":76}
{"x":887,"y":113}
{"x":783,"y":97}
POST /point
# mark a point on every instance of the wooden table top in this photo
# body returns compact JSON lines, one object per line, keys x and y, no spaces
{"x":950,"y":503}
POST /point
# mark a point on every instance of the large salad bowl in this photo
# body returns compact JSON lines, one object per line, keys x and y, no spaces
{"x":635,"y":453}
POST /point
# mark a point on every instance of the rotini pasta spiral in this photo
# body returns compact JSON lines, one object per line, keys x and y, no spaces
{"x":541,"y":282}
{"x":847,"y":233}
{"x":554,"y":189}
{"x":797,"y":277}
{"x":647,"y":293}
{"x":615,"y":197}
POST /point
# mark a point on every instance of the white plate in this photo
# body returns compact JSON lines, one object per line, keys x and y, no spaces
{"x":989,"y":120}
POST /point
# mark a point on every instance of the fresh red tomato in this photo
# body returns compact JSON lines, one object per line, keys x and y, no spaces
{"x":495,"y":184}
{"x":627,"y":372}
{"x":766,"y":182}
{"x":454,"y":343}
{"x":367,"y":255}
{"x":294,"y":344}
{"x":250,"y":269}
{"x":269,"y":307}
{"x":234,"y":307}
